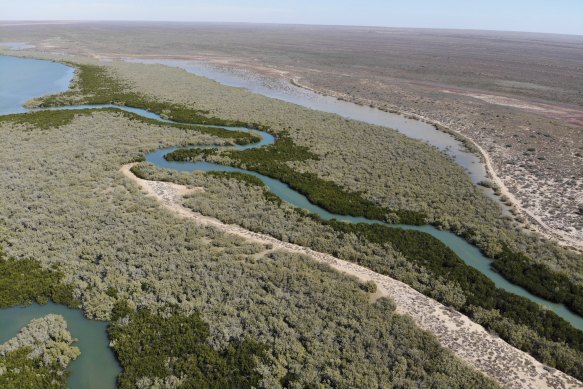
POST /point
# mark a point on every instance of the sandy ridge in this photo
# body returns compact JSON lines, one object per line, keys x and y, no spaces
{"x":536,"y":222}
{"x":487,"y":353}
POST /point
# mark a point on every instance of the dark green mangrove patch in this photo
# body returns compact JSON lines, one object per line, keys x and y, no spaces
{"x":272,"y":161}
{"x":539,"y":279}
{"x":97,"y":87}
{"x":44,"y":119}
{"x":21,"y":371}
{"x":24,"y":281}
{"x":149,"y":345}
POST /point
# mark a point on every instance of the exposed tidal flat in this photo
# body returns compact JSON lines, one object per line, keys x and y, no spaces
{"x":87,"y":122}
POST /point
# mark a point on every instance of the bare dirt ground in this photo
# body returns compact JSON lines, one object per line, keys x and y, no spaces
{"x":572,"y":116}
{"x":518,"y":96}
{"x":489,"y":354}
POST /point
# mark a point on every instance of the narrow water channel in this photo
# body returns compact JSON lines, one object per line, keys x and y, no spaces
{"x":285,"y":91}
{"x":470,"y":254}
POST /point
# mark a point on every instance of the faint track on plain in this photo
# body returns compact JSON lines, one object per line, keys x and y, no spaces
{"x":469,"y":341}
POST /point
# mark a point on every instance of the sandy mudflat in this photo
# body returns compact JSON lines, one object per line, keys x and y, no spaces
{"x":489,"y":354}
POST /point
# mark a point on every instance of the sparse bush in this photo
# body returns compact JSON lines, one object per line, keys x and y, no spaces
{"x":369,"y":287}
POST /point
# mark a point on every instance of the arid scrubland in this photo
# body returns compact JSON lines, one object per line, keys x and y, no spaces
{"x":358,"y":150}
{"x":517,"y":95}
{"x":486,"y":352}
{"x":65,"y":203}
{"x":38,"y":356}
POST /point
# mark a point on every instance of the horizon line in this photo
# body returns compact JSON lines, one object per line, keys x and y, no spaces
{"x":23,"y":22}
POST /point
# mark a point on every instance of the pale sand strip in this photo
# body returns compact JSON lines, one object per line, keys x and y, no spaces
{"x":489,"y":354}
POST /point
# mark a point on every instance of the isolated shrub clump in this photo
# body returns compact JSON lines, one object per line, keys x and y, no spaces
{"x":369,"y":286}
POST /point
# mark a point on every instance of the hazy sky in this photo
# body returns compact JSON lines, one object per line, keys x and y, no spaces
{"x":559,"y":16}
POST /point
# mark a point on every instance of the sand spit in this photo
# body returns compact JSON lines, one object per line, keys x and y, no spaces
{"x":487,"y":353}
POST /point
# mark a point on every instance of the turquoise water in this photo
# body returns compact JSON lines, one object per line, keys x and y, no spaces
{"x":97,"y":367}
{"x":22,"y":79}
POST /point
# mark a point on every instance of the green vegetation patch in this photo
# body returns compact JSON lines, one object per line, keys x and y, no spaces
{"x":150,"y":346}
{"x":20,"y":371}
{"x":44,"y":119}
{"x":94,"y":85}
{"x":249,"y":180}
{"x":246,"y":178}
{"x":97,"y":87}
{"x":25,"y":281}
{"x":272,"y":161}
{"x":239,"y":137}
{"x":38,"y":356}
{"x":190,"y":155}
{"x":539,"y":279}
